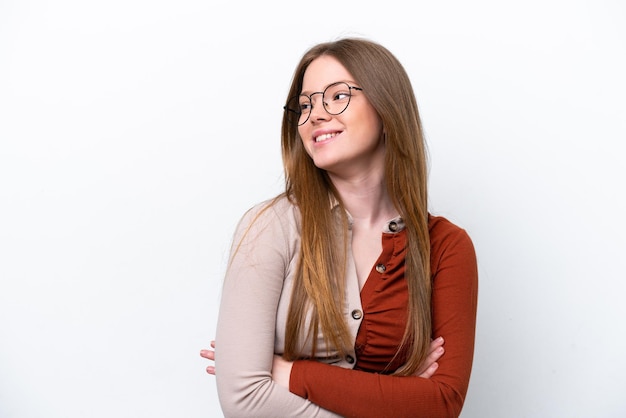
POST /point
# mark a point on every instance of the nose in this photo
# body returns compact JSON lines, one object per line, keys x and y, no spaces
{"x":318,"y":109}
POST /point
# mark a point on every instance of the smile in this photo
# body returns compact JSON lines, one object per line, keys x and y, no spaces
{"x":325,"y":137}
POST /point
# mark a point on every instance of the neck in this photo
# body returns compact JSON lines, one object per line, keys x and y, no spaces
{"x":366,"y":199}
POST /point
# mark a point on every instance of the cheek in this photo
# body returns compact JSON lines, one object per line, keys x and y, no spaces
{"x":304,"y":132}
{"x":372,"y":129}
{"x":371,"y":122}
{"x":377,"y":124}
{"x":305,"y":144}
{"x":301,"y":132}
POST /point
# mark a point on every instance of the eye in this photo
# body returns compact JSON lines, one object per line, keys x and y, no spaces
{"x":338,"y":92}
{"x":305,"y":105}
{"x":341,"y":95}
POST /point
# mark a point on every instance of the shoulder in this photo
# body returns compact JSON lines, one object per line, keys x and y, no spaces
{"x":277,"y":215}
{"x":440,"y":227}
{"x":449,"y":239}
{"x":279,"y":208}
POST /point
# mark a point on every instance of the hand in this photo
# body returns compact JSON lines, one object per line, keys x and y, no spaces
{"x":209,"y":354}
{"x":430,"y":365}
{"x":281,"y":371}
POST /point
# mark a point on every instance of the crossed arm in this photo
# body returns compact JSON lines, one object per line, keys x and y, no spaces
{"x":256,"y":381}
{"x":281,"y":368}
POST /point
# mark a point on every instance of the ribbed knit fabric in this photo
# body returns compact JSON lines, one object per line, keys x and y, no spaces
{"x":368,"y":390}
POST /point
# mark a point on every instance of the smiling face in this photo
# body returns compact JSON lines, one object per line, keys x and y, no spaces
{"x":348,"y":144}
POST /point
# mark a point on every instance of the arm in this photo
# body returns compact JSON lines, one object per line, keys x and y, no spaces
{"x":281,"y":369}
{"x":454,"y":302}
{"x":247,"y":323}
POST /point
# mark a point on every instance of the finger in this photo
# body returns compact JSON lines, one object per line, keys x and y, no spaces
{"x":435,"y":355}
{"x":430,"y":371}
{"x":434,"y":344}
{"x":432,"y":358}
{"x":213,"y":343}
{"x":208,"y":354}
{"x":210,"y":370}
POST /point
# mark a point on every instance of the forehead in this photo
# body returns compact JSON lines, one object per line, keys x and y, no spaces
{"x":323,"y":71}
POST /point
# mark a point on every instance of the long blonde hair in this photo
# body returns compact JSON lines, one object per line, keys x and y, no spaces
{"x":319,"y":287}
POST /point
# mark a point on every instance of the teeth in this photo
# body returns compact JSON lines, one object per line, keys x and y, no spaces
{"x":324,"y":137}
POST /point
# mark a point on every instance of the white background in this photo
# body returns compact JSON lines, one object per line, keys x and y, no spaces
{"x":134,"y":134}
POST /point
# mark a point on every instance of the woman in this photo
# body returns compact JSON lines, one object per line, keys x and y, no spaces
{"x":336,"y":288}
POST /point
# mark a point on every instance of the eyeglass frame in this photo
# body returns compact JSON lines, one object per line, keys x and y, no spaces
{"x":310,"y":97}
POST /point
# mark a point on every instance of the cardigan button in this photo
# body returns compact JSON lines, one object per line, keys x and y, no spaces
{"x":381,"y":268}
{"x":357,"y":314}
{"x":349,"y":359}
{"x":393,"y":226}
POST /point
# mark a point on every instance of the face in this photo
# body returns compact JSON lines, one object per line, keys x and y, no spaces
{"x":350,"y":143}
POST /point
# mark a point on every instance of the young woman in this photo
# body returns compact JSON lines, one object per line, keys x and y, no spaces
{"x":341,"y":290}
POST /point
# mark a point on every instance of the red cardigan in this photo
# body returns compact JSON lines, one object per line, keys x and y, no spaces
{"x":369,"y":390}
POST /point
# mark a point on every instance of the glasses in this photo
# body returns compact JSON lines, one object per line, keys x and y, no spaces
{"x":335,"y":100}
